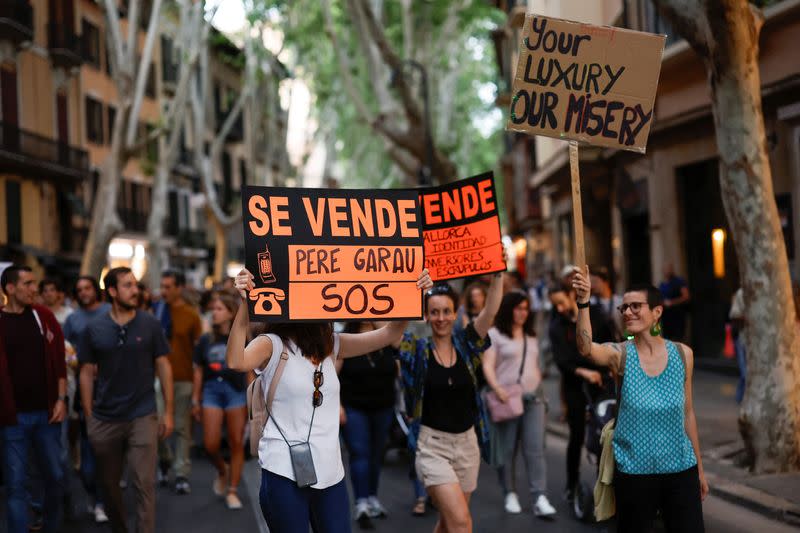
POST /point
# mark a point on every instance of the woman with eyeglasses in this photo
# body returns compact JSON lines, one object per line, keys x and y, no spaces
{"x":449,"y":423}
{"x":575,"y":371}
{"x":368,"y":398}
{"x":305,"y":412}
{"x":656,"y":448}
{"x":512,"y":363}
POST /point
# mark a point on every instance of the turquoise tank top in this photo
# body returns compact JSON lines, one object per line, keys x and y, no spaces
{"x":650,"y":436}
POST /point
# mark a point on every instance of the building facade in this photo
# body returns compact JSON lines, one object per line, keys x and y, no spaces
{"x":58,"y":110}
{"x":44,"y":165}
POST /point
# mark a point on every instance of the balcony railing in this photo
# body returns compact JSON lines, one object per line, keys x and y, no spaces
{"x":16,"y":21}
{"x":41,"y":156}
{"x":65,"y":45}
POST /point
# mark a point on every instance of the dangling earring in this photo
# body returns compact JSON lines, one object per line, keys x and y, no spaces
{"x":655,"y":331}
{"x":627,"y":335}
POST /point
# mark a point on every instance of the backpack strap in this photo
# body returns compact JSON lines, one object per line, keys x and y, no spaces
{"x":273,"y":385}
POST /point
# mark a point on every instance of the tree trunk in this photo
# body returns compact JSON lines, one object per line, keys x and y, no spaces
{"x":155,"y":224}
{"x":105,"y":221}
{"x":221,"y":249}
{"x":725,"y":34}
{"x":770,"y":415}
{"x":125,"y":66}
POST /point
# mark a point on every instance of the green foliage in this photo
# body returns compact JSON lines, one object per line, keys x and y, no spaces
{"x":226,"y":51}
{"x":471,"y":139}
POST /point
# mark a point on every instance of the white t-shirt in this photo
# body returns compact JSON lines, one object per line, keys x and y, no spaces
{"x":292,"y":408}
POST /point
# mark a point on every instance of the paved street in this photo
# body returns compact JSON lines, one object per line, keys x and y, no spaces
{"x":202,"y":512}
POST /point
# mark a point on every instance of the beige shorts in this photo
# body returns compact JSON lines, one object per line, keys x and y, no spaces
{"x":444,"y":458}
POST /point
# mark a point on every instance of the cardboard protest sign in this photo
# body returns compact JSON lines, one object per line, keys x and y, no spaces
{"x":322,"y":254}
{"x":462,"y":229}
{"x":594,"y":84}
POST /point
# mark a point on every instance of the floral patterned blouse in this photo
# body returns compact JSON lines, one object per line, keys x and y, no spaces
{"x":414,"y":354}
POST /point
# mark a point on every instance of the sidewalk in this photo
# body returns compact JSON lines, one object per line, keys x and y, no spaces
{"x":775,"y":496}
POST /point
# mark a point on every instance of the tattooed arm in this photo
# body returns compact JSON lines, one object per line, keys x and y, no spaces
{"x":607,"y":354}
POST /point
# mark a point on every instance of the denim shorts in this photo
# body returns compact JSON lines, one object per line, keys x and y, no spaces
{"x":220,"y":394}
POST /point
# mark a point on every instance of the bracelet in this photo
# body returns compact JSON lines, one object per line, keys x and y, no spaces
{"x":583,"y":305}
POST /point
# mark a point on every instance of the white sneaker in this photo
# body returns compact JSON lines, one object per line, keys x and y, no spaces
{"x":362,"y":509}
{"x":100,"y":516}
{"x":542,"y":507}
{"x":232,"y":501}
{"x":376,"y":509}
{"x":221,"y":483}
{"x":512,"y":503}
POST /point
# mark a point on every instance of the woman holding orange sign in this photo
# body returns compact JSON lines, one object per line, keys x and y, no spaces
{"x":450,"y":428}
{"x":302,"y":476}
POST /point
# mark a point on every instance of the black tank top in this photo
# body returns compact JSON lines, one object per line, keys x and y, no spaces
{"x":449,"y":402}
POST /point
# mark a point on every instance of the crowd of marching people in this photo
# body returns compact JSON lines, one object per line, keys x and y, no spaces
{"x":104,"y":384}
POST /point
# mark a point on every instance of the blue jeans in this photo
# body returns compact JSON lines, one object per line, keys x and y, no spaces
{"x":741,"y":359}
{"x":365,"y":435}
{"x":32,"y":432}
{"x":219,"y":394}
{"x":287,"y":508}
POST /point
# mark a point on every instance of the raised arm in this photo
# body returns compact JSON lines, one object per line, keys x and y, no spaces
{"x":355,"y":344}
{"x":483,"y":322}
{"x":238,"y":354}
{"x":607,"y":354}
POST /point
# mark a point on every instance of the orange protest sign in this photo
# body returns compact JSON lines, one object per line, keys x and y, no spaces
{"x":333,"y":254}
{"x":462,"y":229}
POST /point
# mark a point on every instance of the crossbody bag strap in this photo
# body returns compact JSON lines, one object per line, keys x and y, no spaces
{"x":524,"y":355}
{"x":271,"y":396}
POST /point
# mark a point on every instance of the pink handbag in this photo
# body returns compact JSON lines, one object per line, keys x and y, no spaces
{"x":512,"y":407}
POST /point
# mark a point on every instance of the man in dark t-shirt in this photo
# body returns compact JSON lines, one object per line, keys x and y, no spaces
{"x":33,"y":385}
{"x":125,"y":348}
{"x":575,"y":369}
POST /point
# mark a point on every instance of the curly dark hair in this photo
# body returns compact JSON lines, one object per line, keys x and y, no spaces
{"x":504,"y":321}
{"x":314,"y":339}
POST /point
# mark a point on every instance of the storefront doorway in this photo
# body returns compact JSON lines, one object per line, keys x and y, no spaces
{"x":713,"y":273}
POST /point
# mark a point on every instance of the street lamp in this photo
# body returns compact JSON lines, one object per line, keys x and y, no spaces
{"x":425,"y":171}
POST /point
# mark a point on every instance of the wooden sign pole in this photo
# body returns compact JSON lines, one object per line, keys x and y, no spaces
{"x":577,"y":211}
